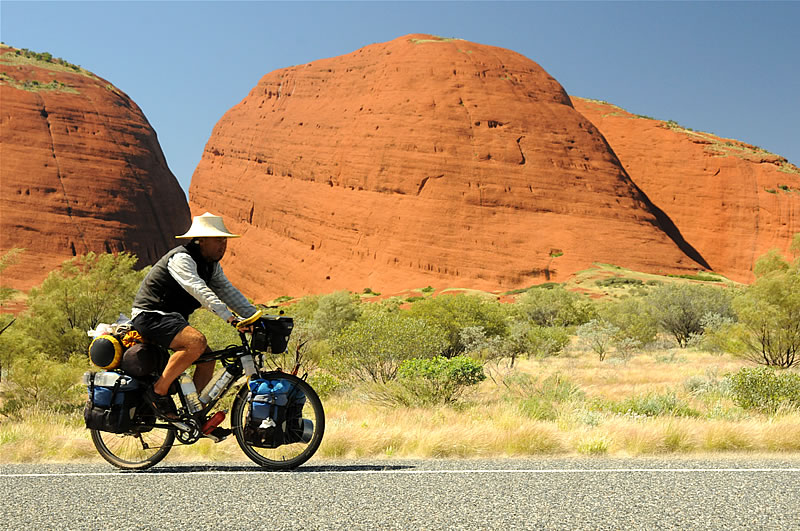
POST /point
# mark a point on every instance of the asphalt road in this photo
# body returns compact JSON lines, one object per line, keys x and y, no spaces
{"x":642,"y":493}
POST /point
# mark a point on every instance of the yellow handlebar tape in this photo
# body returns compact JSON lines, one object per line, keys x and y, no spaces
{"x":250,"y":320}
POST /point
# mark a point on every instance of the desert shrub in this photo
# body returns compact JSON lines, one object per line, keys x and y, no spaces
{"x":38,"y":382}
{"x":453,"y":313}
{"x":335,"y":312}
{"x":633,"y":320}
{"x":619,"y":281}
{"x":86,"y":291}
{"x":438,"y":380}
{"x":540,"y":400}
{"x":554,"y":307}
{"x":765,"y":389}
{"x":372,"y":348}
{"x":679,"y":309}
{"x":653,"y":405}
{"x":546,"y":341}
{"x":479,"y":346}
{"x":324,"y":383}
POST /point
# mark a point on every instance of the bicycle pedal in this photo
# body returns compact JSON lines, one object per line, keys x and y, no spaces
{"x":218,"y":434}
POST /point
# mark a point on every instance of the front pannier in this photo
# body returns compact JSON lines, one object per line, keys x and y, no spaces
{"x":112,"y":403}
{"x":276,"y":414}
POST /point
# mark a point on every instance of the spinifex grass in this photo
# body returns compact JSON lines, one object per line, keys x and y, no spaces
{"x":645,"y":406}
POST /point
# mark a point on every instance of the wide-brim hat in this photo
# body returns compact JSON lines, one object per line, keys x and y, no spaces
{"x":208,"y":226}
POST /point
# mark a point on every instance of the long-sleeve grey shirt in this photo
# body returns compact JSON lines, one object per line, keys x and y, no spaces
{"x":217,"y":296}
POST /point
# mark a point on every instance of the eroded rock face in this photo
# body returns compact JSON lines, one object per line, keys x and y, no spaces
{"x":81,"y":171}
{"x":733,"y":202}
{"x":422,"y":161}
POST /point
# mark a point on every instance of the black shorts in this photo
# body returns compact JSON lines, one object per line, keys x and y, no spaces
{"x":159,"y":328}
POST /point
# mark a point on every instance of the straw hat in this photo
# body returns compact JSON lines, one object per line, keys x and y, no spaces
{"x":207,"y":226}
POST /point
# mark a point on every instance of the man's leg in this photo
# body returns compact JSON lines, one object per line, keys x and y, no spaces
{"x":203,"y":373}
{"x":189,"y":344}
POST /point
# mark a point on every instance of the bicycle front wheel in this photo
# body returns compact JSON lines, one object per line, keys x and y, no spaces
{"x":134,"y":451}
{"x":307,"y":438}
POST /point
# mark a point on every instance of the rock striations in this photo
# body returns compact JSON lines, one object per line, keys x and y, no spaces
{"x":81,"y":170}
{"x":732,"y":201}
{"x":423,"y":161}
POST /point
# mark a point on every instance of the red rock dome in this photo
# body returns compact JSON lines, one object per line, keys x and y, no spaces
{"x":422,"y":161}
{"x":81,"y":170}
{"x":732,"y":201}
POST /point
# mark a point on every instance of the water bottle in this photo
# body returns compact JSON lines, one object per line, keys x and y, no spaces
{"x":215,"y":386}
{"x":190,"y":393}
{"x":248,"y":365}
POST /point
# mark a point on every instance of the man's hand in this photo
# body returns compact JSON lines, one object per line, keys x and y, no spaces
{"x":245,"y":325}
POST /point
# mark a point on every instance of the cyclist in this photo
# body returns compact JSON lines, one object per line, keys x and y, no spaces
{"x":186,"y":278}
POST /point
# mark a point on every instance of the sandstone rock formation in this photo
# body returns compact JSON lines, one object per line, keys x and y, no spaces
{"x":732,"y":201}
{"x":81,"y":170}
{"x":422,"y":161}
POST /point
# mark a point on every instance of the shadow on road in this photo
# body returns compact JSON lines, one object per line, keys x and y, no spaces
{"x":188,"y":469}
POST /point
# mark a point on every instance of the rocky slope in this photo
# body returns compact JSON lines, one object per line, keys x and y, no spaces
{"x":81,"y":170}
{"x":732,"y":201}
{"x":422,"y":161}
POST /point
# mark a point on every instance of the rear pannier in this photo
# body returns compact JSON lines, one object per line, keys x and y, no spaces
{"x":113,"y":398}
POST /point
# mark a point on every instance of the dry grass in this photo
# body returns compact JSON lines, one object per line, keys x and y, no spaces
{"x":493,"y":424}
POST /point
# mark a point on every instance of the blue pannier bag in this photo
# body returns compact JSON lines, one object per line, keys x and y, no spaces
{"x":276,"y":409}
{"x":112,"y":402}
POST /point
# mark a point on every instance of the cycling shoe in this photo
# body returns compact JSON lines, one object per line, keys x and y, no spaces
{"x":163,"y":406}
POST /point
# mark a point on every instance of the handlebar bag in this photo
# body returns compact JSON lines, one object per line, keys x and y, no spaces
{"x":272,"y":333}
{"x":276,"y":406}
{"x":112,"y":402}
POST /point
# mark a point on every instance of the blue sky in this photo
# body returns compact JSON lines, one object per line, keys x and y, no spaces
{"x":729,"y":68}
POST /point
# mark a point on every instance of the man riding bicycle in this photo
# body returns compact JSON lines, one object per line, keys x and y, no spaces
{"x":186,"y":278}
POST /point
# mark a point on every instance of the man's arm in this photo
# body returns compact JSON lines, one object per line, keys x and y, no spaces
{"x":183,"y":269}
{"x":231,"y":296}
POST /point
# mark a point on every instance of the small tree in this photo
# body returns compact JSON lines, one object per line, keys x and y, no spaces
{"x":597,"y":335}
{"x":768,"y":332}
{"x":88,"y":290}
{"x":680,"y":308}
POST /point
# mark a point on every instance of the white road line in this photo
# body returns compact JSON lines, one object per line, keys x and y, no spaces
{"x":133,"y":474}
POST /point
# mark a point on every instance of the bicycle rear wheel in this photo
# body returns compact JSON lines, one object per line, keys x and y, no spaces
{"x":134,"y":451}
{"x":286,"y":456}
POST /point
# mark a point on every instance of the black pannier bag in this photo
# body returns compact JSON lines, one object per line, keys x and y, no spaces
{"x":276,"y":414}
{"x":272,"y":333}
{"x":113,"y":398}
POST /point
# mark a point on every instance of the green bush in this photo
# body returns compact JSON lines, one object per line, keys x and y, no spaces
{"x":545,"y":341}
{"x":372,"y":348}
{"x":39,"y":382}
{"x":439,"y":380}
{"x":653,"y":405}
{"x":554,"y":307}
{"x":324,"y":383}
{"x":453,"y":313}
{"x":765,"y":389}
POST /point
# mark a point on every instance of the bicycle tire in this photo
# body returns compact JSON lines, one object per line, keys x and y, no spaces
{"x":120,"y":449}
{"x":286,"y":456}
